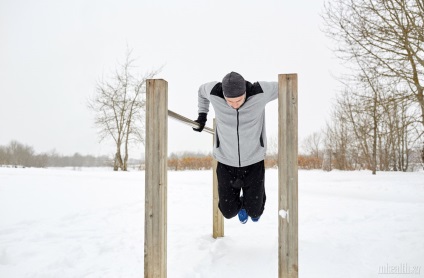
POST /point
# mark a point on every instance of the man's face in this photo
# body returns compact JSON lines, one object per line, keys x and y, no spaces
{"x":236,"y":102}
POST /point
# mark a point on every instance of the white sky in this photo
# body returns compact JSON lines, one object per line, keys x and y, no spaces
{"x":53,"y":52}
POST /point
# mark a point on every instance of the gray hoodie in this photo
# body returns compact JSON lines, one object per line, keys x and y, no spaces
{"x":240,"y":137}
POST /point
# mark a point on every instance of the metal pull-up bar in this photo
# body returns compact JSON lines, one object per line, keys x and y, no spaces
{"x":187,"y":121}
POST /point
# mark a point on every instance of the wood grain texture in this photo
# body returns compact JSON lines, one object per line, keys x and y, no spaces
{"x":218,"y":218}
{"x":288,"y":176}
{"x":155,"y":234}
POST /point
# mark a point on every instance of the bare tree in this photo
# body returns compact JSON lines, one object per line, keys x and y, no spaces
{"x":338,"y":142}
{"x":119,"y":108}
{"x":21,"y":154}
{"x":388,"y":34}
{"x":312,"y":145}
{"x":4,"y":156}
{"x":362,"y":108}
{"x":383,"y":132}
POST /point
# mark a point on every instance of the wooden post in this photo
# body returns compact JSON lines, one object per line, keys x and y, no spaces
{"x":155,"y":226}
{"x":288,"y":177}
{"x":218,"y":219}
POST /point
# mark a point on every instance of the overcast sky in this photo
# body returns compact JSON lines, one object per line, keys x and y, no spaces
{"x":52,"y":53}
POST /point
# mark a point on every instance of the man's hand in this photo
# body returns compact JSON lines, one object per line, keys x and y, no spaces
{"x":201,"y":120}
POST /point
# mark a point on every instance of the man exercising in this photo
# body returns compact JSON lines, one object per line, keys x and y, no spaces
{"x":240,"y":141}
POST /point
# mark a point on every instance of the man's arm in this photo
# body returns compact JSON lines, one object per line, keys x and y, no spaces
{"x":203,"y":105}
{"x":270,"y":90}
{"x":203,"y":98}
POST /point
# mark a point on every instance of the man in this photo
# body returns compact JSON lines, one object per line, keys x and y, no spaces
{"x":240,"y":141}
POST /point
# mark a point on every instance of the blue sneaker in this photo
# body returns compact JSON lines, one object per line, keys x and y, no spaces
{"x":242,"y":215}
{"x":255,"y":219}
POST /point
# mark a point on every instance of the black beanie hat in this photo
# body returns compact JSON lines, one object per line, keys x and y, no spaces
{"x":233,"y":85}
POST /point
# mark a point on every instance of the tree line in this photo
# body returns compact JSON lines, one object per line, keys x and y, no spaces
{"x":197,"y":161}
{"x":16,"y":154}
{"x":314,"y":156}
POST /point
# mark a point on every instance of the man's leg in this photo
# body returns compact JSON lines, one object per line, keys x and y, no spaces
{"x":254,"y":196}
{"x":229,"y":197}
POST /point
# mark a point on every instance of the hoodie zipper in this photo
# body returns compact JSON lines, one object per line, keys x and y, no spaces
{"x":238,"y":137}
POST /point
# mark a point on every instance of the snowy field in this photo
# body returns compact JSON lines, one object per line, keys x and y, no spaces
{"x":62,"y":223}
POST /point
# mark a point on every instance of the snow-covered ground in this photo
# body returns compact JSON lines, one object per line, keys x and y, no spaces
{"x":90,"y":223}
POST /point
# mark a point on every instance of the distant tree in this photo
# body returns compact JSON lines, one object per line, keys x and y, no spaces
{"x":4,"y":156}
{"x":173,"y":162}
{"x":339,"y":142}
{"x":20,"y":154}
{"x":40,"y":160}
{"x":312,"y":144}
{"x":119,"y":107}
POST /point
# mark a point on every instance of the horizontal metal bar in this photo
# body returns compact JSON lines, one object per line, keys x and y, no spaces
{"x":187,"y":121}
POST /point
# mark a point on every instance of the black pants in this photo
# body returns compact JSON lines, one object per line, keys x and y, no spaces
{"x":250,"y":180}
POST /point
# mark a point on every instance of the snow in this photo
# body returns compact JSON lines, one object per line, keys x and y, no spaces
{"x":284,"y":214}
{"x":90,"y":223}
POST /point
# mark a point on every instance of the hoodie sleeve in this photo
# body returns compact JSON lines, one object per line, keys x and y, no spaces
{"x":270,"y":90}
{"x":203,"y":97}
